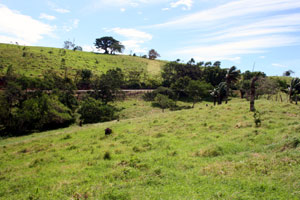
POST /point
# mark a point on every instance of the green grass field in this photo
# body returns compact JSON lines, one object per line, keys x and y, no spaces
{"x":201,"y":153}
{"x":34,"y":61}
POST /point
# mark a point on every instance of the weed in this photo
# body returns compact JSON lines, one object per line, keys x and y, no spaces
{"x":107,"y":156}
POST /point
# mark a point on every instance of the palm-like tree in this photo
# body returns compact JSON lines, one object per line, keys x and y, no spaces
{"x":294,"y":88}
{"x":231,"y":77}
{"x":219,"y":93}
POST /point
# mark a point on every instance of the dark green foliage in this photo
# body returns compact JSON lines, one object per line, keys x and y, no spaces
{"x":172,"y":71}
{"x":198,"y":90}
{"x":108,"y":85}
{"x":164,"y":102}
{"x":38,"y":113}
{"x":161,"y":90}
{"x":179,"y":87}
{"x":247,"y":75}
{"x":214,"y":75}
{"x":294,"y":89}
{"x":93,"y":111}
{"x":85,"y":81}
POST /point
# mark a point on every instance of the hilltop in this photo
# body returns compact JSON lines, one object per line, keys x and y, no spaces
{"x":202,"y":153}
{"x":34,"y":61}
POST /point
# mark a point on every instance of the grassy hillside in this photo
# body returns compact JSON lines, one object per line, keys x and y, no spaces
{"x":201,"y":153}
{"x":33,"y":61}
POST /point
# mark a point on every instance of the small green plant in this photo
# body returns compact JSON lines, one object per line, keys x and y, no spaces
{"x":257,"y":119}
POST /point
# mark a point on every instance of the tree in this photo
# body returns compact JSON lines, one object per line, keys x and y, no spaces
{"x":219,"y":93}
{"x":108,"y":85}
{"x":153,"y":54}
{"x":288,"y":73}
{"x":69,"y":44}
{"x":252,"y":93}
{"x":77,"y":48}
{"x":164,"y":102}
{"x":105,"y":43}
{"x":294,"y":89}
{"x":93,"y":111}
{"x":117,"y":47}
{"x":231,"y":77}
{"x":197,"y":90}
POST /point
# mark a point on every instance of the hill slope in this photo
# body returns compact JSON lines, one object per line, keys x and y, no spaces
{"x":202,"y":153}
{"x":33,"y":61}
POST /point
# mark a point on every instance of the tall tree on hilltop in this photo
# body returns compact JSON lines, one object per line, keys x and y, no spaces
{"x":153,"y":54}
{"x":105,"y":43}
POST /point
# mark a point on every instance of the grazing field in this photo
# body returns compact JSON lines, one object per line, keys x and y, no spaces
{"x":202,"y":153}
{"x":34,"y":61}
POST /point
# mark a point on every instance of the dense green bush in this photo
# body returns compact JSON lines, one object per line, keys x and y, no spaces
{"x":163,"y":102}
{"x":93,"y":111}
{"x":35,"y":114}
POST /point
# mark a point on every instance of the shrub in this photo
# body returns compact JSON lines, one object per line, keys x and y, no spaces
{"x":164,"y":102}
{"x":93,"y":111}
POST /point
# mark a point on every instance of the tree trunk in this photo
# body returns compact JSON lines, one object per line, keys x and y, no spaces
{"x":215,"y":101}
{"x":252,"y":96}
{"x":291,"y":94}
{"x":220,"y":100}
{"x":193,"y":104}
{"x":242,"y":93}
{"x":227,"y":91}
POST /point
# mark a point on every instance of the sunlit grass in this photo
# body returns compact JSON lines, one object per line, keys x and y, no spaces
{"x":202,"y":153}
{"x":34,"y":61}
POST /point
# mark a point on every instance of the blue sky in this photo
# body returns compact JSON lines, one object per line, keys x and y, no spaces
{"x":235,"y":32}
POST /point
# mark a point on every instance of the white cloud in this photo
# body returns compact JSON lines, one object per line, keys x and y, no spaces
{"x":279,"y":65}
{"x":122,"y":9}
{"x":131,"y":33}
{"x":165,"y":9}
{"x":186,"y":4}
{"x":48,"y":17}
{"x":134,"y":38}
{"x":232,"y":50}
{"x":56,"y":8}
{"x":62,"y":10}
{"x":232,"y":9}
{"x":235,"y":28}
{"x":99,"y":4}
{"x":20,"y":28}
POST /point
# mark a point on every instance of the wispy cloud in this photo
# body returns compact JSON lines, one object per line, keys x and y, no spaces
{"x":279,"y":65}
{"x":239,"y":27}
{"x":58,"y":9}
{"x":233,"y":50}
{"x":234,"y":9}
{"x":99,"y":4}
{"x":21,"y":28}
{"x":133,"y":38}
{"x":46,"y":16}
{"x":62,"y":10}
{"x":185,"y":4}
